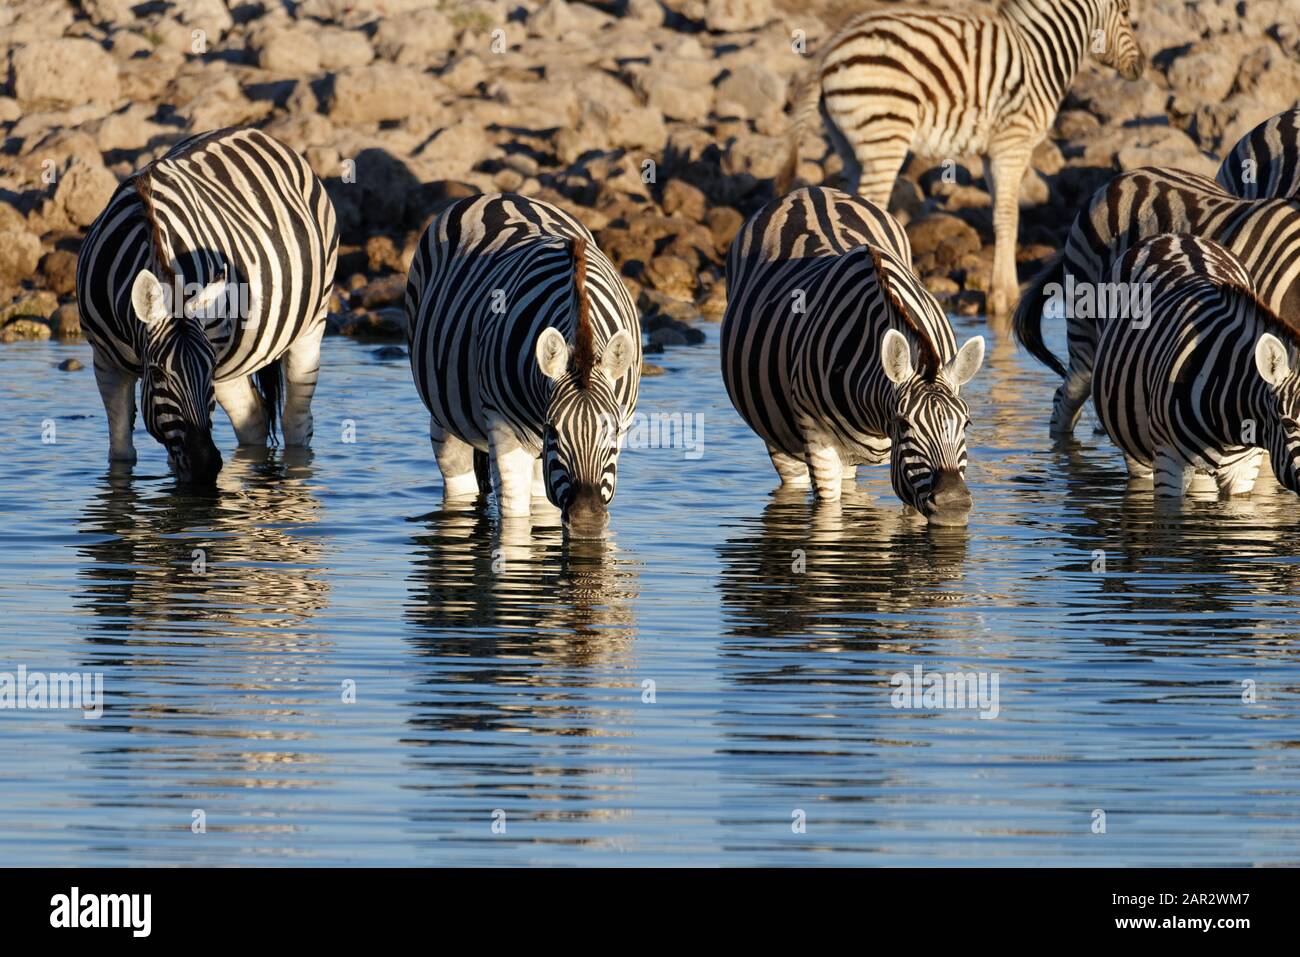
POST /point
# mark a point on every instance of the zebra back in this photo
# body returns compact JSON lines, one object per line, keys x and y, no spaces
{"x":1265,"y":163}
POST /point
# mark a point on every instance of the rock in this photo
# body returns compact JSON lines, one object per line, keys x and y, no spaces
{"x":384,"y":291}
{"x":32,"y":305}
{"x":649,"y":371}
{"x":389,"y":353}
{"x":714,"y":302}
{"x":21,"y":329}
{"x":340,"y":49}
{"x":381,"y":91}
{"x":682,"y":198}
{"x":382,"y":253}
{"x":292,"y":52}
{"x":735,"y":16}
{"x":947,"y":237}
{"x":671,"y":275}
{"x":84,"y":190}
{"x":1206,"y":72}
{"x":724,"y":223}
{"x":20,"y":252}
{"x":751,"y":90}
{"x":71,"y":365}
{"x":941,"y":286}
{"x":66,"y":321}
{"x":63,"y":72}
{"x":673,"y":97}
{"x":59,"y":267}
{"x":600,"y":127}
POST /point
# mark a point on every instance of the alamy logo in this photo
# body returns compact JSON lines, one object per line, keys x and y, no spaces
{"x":942,"y":690}
{"x":656,"y":430}
{"x":103,"y":910}
{"x":1098,"y":300}
{"x":40,"y":691}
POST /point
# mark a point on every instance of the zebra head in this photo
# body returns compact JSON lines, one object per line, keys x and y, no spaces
{"x":1280,"y":432}
{"x":927,"y":460}
{"x":1114,"y":44}
{"x":176,"y":387}
{"x":583,"y":421}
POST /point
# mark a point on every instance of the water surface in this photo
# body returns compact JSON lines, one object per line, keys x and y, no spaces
{"x":503,"y":676}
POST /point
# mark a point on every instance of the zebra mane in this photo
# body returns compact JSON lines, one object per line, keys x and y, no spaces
{"x":584,"y":338}
{"x":144,"y":189}
{"x":930,"y":361}
{"x":1266,"y":312}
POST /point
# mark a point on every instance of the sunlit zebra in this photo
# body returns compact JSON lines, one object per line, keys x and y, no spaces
{"x":1265,"y":163}
{"x":207,"y":277}
{"x":1264,"y":235}
{"x":945,"y":84}
{"x":824,"y":319}
{"x":1207,"y":382}
{"x":526,"y":348}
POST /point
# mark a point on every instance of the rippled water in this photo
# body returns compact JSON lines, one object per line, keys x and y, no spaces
{"x":500,"y":673}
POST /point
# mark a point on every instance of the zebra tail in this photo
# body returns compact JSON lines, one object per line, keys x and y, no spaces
{"x":269,"y":383}
{"x":483,"y":472}
{"x":807,"y":99}
{"x":1027,"y":323}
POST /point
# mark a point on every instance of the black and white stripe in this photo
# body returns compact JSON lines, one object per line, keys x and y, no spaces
{"x":1265,"y":163}
{"x":946,"y":84}
{"x":823,"y":318}
{"x":1264,"y":235}
{"x":238,"y":224}
{"x":1207,"y":382}
{"x":525,"y":346}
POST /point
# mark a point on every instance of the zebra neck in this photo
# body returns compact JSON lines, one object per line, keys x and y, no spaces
{"x":1057,"y":32}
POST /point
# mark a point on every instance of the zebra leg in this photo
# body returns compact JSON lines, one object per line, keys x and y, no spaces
{"x":1238,"y":477}
{"x":1068,"y":402}
{"x":851,"y":170}
{"x":117,"y":390}
{"x":1173,"y":476}
{"x":1006,"y":170}
{"x":827,"y":471}
{"x":793,"y":471}
{"x":1137,"y":471}
{"x":881,"y":159}
{"x":456,"y":462}
{"x":850,"y":473}
{"x":301,"y":370}
{"x":244,"y":406}
{"x":512,"y":474}
{"x":539,"y":481}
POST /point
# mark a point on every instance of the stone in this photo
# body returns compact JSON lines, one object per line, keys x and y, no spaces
{"x":84,"y":190}
{"x":381,"y":91}
{"x":71,"y":365}
{"x":735,"y":16}
{"x":750,"y":91}
{"x":59,"y":267}
{"x":66,"y":321}
{"x":20,"y":252}
{"x":63,"y":72}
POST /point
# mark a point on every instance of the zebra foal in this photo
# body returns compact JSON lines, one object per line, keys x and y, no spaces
{"x":824,"y":316}
{"x":206,"y":278}
{"x":526,"y":349}
{"x":1204,"y":384}
{"x":942,"y":83}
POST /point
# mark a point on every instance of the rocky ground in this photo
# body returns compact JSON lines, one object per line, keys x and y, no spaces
{"x":660,"y":123}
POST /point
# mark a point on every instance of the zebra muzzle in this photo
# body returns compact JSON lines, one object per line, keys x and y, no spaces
{"x":203,"y":460}
{"x":950,"y":500}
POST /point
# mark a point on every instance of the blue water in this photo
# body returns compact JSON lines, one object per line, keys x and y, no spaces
{"x":500,"y":673}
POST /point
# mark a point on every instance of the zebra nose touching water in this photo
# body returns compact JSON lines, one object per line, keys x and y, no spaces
{"x":823,"y":316}
{"x":206,"y":279}
{"x":526,"y":349}
{"x":1206,"y":383}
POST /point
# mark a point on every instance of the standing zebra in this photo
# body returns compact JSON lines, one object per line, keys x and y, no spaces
{"x":525,"y":346}
{"x":1264,"y":235}
{"x":1265,"y":163}
{"x":207,"y":277}
{"x":1206,"y":385}
{"x":823,"y":315}
{"x":949,"y":84}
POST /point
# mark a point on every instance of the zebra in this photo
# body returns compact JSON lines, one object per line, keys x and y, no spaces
{"x":1265,"y":163}
{"x":526,"y":349}
{"x":943,"y":83}
{"x":823,"y":316}
{"x":1264,"y":235}
{"x":1206,"y":383}
{"x":207,"y":277}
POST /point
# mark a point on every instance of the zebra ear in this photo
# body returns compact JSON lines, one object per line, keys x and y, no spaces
{"x":617,"y":357}
{"x":965,"y":363}
{"x":896,"y":357}
{"x":148,"y":299}
{"x":552,"y":353}
{"x":1271,"y":360}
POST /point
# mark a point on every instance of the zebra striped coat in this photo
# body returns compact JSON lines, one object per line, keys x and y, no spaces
{"x":1265,"y":163}
{"x":946,"y":84}
{"x":1207,"y":383}
{"x":208,"y":276}
{"x":525,"y":345}
{"x":1264,"y":235}
{"x":823,"y":316}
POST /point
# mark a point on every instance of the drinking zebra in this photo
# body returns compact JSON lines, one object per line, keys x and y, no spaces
{"x":1206,"y":383}
{"x":949,"y":84}
{"x":207,"y":277}
{"x":525,"y":346}
{"x":1265,"y":163}
{"x":1264,"y":235}
{"x":823,"y":316}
